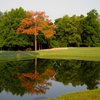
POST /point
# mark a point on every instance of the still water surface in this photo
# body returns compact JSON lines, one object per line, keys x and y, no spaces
{"x":39,"y":79}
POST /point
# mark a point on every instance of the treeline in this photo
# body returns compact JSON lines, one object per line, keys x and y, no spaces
{"x":74,"y":31}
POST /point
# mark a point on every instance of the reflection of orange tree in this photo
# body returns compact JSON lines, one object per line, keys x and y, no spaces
{"x":36,"y":83}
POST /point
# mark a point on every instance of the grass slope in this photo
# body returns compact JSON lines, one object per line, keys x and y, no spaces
{"x":81,"y":53}
{"x":85,"y":95}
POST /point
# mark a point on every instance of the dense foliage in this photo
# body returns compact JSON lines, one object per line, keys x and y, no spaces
{"x":71,"y":31}
{"x":9,"y":40}
{"x":78,"y":31}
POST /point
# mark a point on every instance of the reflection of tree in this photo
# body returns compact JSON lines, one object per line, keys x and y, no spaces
{"x":36,"y":83}
{"x":67,"y":72}
{"x":90,"y":73}
{"x":13,"y":75}
{"x":79,"y":73}
{"x":9,"y":72}
{"x":8,"y":76}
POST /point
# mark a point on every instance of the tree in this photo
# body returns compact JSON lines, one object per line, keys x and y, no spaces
{"x":8,"y":25}
{"x":68,"y":31}
{"x":34,"y":23}
{"x":91,"y":29}
{"x":1,"y":14}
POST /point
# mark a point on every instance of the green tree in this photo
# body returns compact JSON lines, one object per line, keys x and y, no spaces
{"x":1,"y":14}
{"x":91,"y":29}
{"x":68,"y":31}
{"x":8,"y":25}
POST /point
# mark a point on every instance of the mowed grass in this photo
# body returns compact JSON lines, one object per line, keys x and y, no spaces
{"x":78,"y":53}
{"x":85,"y":95}
{"x":17,"y":55}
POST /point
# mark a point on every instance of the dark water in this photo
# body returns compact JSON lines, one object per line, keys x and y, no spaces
{"x":41,"y":79}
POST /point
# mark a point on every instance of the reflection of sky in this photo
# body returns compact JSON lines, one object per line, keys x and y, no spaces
{"x":54,"y":91}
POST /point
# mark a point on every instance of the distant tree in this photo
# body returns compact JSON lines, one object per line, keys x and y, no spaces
{"x":8,"y":25}
{"x":77,"y":31}
{"x":35,"y":23}
{"x":91,"y":29}
{"x":68,"y":31}
{"x":1,"y":14}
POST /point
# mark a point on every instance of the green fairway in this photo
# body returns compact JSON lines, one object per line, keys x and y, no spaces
{"x":88,"y":53}
{"x":16,"y":55}
{"x":85,"y":95}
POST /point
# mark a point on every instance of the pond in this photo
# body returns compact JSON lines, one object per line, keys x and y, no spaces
{"x":39,"y":79}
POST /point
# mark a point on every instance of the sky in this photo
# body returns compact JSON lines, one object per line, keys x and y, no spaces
{"x":53,"y":8}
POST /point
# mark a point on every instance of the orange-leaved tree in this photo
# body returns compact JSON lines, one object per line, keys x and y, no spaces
{"x":34,"y":23}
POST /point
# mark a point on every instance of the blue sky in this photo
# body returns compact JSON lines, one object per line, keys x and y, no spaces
{"x":53,"y":8}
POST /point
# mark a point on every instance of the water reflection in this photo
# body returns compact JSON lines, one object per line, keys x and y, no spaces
{"x":36,"y":83}
{"x":33,"y":76}
{"x":79,"y":73}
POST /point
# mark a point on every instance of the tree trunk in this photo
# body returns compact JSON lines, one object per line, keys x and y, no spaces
{"x":35,"y":37}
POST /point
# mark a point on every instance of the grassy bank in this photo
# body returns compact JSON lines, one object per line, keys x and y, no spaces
{"x":85,"y":95}
{"x":17,"y":55}
{"x":88,"y":53}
